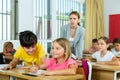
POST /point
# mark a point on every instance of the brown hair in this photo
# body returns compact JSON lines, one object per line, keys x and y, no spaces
{"x":8,"y":44}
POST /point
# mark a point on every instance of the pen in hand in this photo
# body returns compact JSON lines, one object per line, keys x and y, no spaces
{"x":34,"y":68}
{"x":32,"y":63}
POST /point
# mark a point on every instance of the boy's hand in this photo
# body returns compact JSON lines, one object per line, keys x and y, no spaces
{"x":34,"y":68}
{"x":7,"y":67}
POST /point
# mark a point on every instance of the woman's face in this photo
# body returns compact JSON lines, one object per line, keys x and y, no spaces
{"x":30,"y":50}
{"x":57,"y":51}
{"x":74,"y":20}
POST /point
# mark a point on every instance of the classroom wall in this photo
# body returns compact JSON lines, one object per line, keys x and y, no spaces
{"x":26,"y":14}
{"x":110,"y":7}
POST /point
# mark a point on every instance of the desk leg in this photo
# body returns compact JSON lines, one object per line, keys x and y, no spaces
{"x":4,"y":77}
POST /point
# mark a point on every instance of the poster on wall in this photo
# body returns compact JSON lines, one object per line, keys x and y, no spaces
{"x":114,"y":26}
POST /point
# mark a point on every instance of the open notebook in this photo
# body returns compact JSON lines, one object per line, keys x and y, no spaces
{"x":34,"y":74}
{"x":2,"y":66}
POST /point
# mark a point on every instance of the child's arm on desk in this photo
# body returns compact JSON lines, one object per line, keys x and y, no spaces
{"x":12,"y":64}
{"x":71,"y":70}
{"x":115,"y":61}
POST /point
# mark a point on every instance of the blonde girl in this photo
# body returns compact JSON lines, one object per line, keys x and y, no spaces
{"x":61,"y":62}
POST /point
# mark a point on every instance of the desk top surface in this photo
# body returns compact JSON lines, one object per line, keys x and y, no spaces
{"x":103,"y":67}
{"x":106,"y":67}
{"x":18,"y":72}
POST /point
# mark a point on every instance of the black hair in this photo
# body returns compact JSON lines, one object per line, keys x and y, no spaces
{"x":27,"y":38}
{"x":94,"y":40}
{"x":116,"y":40}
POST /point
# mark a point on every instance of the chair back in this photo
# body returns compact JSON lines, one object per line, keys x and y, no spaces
{"x":90,"y":70}
{"x":87,"y":66}
{"x":1,"y":58}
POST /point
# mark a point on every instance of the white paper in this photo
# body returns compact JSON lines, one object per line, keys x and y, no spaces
{"x":36,"y":73}
{"x":2,"y":66}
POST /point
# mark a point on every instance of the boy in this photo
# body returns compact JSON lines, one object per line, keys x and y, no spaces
{"x":30,"y":51}
{"x":93,"y":48}
{"x":116,"y":49}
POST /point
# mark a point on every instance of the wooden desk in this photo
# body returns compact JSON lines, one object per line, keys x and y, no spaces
{"x":17,"y":73}
{"x":105,"y":72}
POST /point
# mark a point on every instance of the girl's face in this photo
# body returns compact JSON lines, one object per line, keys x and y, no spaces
{"x":30,"y":50}
{"x":57,"y":51}
{"x":9,"y":49}
{"x":102,"y":45}
{"x":117,"y":46}
{"x":74,"y":20}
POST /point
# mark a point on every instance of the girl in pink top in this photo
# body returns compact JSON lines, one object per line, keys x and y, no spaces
{"x":61,"y":62}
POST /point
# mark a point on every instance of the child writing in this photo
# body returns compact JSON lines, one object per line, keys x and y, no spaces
{"x":30,"y":51}
{"x":61,"y":62}
{"x":103,"y":56}
{"x":8,"y":49}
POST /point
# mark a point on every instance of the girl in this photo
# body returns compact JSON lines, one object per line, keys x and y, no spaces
{"x":103,"y":56}
{"x":60,"y":63}
{"x":8,"y":49}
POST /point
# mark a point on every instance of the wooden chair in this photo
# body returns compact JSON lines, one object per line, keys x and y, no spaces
{"x":86,"y":72}
{"x":1,"y":58}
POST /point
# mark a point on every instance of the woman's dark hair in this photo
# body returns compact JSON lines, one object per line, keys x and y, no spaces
{"x":77,"y":14}
{"x":27,"y":38}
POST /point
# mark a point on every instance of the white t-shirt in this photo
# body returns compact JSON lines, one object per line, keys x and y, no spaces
{"x":107,"y":57}
{"x":115,"y":52}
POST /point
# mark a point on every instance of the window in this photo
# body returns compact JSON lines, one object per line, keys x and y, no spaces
{"x":50,"y":15}
{"x":7,"y":19}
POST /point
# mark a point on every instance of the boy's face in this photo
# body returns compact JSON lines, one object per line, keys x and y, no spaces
{"x":117,"y":46}
{"x":30,"y":50}
{"x":95,"y":45}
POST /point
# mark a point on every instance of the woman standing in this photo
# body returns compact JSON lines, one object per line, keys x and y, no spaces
{"x":74,"y":33}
